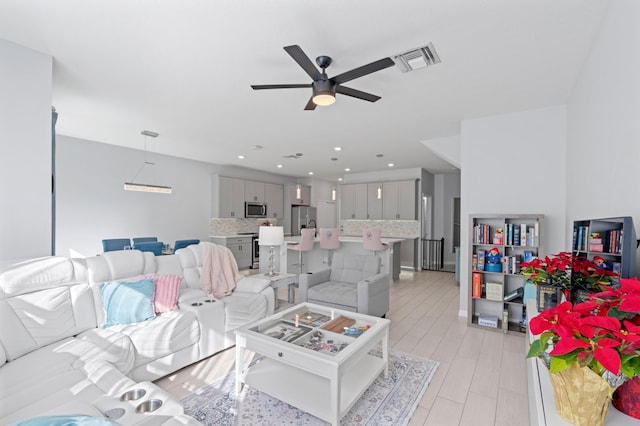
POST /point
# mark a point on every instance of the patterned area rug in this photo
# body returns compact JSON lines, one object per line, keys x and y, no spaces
{"x":388,"y":401}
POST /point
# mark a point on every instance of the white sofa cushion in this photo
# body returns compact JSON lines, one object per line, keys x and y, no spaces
{"x":165,"y":334}
{"x":191,"y":258}
{"x":36,"y":274}
{"x":118,"y":265}
{"x":252,"y":284}
{"x":242,"y":308}
{"x":30,"y":321}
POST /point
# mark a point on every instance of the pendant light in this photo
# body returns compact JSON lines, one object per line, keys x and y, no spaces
{"x":145,"y":187}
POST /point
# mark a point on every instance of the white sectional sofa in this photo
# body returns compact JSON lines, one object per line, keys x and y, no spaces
{"x":55,"y":359}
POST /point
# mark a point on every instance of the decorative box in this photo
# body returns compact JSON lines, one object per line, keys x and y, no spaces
{"x":488,"y":320}
{"x":494,"y":291}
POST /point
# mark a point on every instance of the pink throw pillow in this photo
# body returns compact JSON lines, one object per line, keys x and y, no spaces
{"x":165,"y":298}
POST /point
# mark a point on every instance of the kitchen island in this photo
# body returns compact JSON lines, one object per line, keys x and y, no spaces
{"x":318,"y":258}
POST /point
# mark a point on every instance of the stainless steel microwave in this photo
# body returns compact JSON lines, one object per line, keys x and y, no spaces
{"x":252,"y":209}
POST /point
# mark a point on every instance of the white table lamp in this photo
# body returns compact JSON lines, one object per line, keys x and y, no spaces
{"x":271,"y":236}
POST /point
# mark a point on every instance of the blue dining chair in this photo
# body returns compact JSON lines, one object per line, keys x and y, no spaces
{"x":183,"y":243}
{"x":144,"y":240}
{"x":113,"y":244}
{"x":155,"y":247}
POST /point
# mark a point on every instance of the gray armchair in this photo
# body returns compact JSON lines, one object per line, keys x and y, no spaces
{"x":352,"y":283}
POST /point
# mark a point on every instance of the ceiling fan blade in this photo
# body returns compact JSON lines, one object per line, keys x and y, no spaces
{"x":303,"y":60}
{"x":363,"y":70}
{"x":310,"y":105}
{"x":357,"y":93}
{"x":278,"y":86}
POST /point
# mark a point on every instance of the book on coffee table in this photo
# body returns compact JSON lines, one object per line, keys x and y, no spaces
{"x":284,"y":331}
{"x":339,"y":324}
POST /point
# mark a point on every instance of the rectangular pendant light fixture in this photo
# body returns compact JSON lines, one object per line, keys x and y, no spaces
{"x":143,"y":187}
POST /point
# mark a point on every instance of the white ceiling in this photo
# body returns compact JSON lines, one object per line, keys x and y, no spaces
{"x":183,"y":68}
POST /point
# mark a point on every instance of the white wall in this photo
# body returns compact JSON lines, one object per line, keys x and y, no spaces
{"x":25,"y":143}
{"x":604,"y":123}
{"x":514,"y":164}
{"x":92,"y":204}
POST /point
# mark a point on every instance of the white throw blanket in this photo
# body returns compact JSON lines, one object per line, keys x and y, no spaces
{"x":219,"y":270}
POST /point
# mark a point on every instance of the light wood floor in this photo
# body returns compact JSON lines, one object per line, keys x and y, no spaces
{"x":481,"y":379}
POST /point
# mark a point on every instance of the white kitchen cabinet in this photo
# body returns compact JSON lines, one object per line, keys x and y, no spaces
{"x":399,"y":200}
{"x":254,"y":191}
{"x":353,"y":201}
{"x":230,"y":197}
{"x":274,"y":197}
{"x":240,"y":246}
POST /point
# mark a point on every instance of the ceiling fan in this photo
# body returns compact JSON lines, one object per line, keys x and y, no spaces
{"x":325,"y":88}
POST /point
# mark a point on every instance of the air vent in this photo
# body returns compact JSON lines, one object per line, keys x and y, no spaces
{"x":417,"y":58}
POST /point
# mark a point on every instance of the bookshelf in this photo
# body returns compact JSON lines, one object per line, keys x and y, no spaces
{"x":613,"y":239}
{"x":516,"y":238}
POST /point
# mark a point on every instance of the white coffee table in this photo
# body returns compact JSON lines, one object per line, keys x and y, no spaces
{"x":324,"y":384}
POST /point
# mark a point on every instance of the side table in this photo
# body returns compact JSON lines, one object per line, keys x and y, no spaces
{"x":280,"y":280}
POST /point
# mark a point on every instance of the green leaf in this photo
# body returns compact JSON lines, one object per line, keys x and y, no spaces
{"x":558,"y":363}
{"x":536,"y":349}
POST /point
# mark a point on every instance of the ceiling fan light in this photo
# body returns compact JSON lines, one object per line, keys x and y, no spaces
{"x":324,"y":98}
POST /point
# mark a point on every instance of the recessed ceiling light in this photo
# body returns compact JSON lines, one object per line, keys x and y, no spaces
{"x":279,"y":166}
{"x":390,"y":164}
{"x":337,"y":148}
{"x":241,"y":157}
{"x":310,"y":173}
{"x":347,"y":169}
{"x":339,"y":179}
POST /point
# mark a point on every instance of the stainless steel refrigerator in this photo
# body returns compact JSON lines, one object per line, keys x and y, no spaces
{"x":302,"y":217}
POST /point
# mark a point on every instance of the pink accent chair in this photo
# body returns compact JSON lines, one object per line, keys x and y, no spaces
{"x":371,"y":240}
{"x":308,"y":235}
{"x":329,"y":240}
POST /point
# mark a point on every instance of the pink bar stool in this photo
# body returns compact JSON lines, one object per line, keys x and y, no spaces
{"x":308,"y":235}
{"x":329,"y":240}
{"x":371,"y":240}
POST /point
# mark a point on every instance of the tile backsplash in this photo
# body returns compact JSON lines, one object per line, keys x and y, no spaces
{"x":232,"y":226}
{"x":390,"y":228}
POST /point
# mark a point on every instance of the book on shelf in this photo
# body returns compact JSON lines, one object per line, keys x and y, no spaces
{"x":582,"y":233}
{"x":616,"y":268}
{"x":523,"y":234}
{"x":514,"y":294}
{"x":527,"y":256}
{"x":536,"y":234}
{"x":476,"y":290}
{"x":481,"y":259}
{"x":474,"y":262}
{"x":498,"y":237}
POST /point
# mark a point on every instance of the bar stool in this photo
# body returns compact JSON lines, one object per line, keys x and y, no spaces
{"x":371,"y":240}
{"x":308,"y":235}
{"x":329,"y":240}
